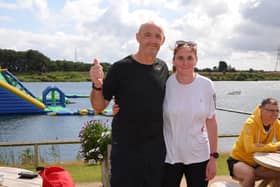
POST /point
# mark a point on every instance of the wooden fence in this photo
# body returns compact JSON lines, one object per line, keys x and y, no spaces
{"x":36,"y":146}
{"x":55,"y":142}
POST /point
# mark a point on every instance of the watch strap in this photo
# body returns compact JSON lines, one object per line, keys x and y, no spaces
{"x":95,"y":88}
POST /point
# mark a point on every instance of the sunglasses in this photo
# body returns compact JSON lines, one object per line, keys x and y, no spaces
{"x":188,"y":43}
{"x":272,"y":110}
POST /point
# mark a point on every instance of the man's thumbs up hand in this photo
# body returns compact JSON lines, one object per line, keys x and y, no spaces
{"x":96,"y":74}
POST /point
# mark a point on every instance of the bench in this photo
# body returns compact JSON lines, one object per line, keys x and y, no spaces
{"x":260,"y":183}
{"x":225,"y":184}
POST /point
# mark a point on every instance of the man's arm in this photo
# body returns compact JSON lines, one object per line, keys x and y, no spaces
{"x":96,"y":96}
{"x":97,"y":100}
{"x":251,"y":146}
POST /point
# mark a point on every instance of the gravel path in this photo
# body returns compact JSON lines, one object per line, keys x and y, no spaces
{"x":93,"y":184}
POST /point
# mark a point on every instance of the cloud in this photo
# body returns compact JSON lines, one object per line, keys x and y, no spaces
{"x":5,"y":19}
{"x":265,"y":13}
{"x":259,"y":29}
{"x":6,"y":5}
{"x":234,"y":31}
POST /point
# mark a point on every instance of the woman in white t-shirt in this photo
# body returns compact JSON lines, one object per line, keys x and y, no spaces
{"x":190,"y":126}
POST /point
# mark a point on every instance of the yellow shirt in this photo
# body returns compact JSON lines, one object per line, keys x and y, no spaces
{"x":253,"y":132}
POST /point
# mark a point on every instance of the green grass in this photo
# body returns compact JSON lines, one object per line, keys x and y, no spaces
{"x":79,"y":171}
{"x":69,"y":76}
{"x":74,"y":76}
{"x":82,"y":172}
{"x":222,"y":168}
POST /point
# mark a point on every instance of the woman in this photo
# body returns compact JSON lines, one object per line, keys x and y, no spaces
{"x":190,"y":127}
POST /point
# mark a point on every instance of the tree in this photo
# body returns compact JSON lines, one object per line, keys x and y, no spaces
{"x":35,"y":61}
{"x":222,"y":66}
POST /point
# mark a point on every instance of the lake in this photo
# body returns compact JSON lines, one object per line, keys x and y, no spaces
{"x":239,"y":96}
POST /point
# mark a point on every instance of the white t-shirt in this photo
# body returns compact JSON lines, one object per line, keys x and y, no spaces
{"x":185,"y":110}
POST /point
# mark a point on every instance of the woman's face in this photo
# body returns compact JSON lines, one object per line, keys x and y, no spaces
{"x":185,"y":60}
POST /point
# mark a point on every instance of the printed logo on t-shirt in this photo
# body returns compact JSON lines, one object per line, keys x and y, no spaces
{"x":157,"y":67}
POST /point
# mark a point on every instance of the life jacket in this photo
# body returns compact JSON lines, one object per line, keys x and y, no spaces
{"x":55,"y":176}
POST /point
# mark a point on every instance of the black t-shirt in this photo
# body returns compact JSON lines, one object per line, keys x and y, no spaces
{"x":139,"y":90}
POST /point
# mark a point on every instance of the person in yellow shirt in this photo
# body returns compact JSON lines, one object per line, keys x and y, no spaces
{"x":260,"y":133}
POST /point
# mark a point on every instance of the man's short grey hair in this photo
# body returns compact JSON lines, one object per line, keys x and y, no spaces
{"x":269,"y":100}
{"x":151,"y":23}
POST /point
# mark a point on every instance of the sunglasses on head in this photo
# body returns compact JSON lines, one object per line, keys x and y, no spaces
{"x":182,"y":42}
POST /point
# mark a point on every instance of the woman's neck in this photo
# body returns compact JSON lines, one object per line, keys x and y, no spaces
{"x":185,"y":78}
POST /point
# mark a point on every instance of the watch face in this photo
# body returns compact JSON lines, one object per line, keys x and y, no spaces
{"x":215,"y":155}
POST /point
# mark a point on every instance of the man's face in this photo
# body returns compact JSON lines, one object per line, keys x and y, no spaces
{"x":270,"y":112}
{"x":150,"y":38}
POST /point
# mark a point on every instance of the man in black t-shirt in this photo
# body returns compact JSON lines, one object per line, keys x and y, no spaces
{"x":137,"y":84}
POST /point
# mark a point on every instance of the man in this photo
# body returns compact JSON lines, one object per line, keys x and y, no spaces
{"x":137,"y":84}
{"x":261,"y":133}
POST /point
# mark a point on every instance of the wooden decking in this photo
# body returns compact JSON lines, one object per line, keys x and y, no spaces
{"x":222,"y":179}
{"x":217,"y":178}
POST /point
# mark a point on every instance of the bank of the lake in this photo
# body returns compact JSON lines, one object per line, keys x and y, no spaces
{"x":72,"y":76}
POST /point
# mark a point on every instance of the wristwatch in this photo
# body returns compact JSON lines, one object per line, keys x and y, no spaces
{"x":215,"y":155}
{"x":95,"y":88}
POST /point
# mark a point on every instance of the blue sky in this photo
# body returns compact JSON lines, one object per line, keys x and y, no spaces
{"x":244,"y":33}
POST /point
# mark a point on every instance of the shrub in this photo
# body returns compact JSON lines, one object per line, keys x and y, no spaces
{"x":94,"y":137}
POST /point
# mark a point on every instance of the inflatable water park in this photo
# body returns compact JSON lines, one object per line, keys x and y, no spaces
{"x":15,"y":98}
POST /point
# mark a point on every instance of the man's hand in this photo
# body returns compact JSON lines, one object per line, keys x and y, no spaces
{"x":278,"y":148}
{"x":96,"y":74}
{"x":259,"y":144}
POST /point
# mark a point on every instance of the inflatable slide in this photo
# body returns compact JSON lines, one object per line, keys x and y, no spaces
{"x":15,"y":98}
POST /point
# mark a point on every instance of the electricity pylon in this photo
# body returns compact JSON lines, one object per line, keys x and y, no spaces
{"x":277,"y":58}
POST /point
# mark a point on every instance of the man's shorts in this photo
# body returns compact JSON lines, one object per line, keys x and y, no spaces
{"x":231,"y":162}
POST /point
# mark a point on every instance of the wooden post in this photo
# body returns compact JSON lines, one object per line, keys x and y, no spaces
{"x":36,"y":155}
{"x":106,"y":167}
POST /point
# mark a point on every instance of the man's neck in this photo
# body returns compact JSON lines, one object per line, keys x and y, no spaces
{"x":144,"y":59}
{"x":266,"y":127}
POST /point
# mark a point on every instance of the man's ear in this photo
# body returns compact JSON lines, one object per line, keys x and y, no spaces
{"x":137,"y":37}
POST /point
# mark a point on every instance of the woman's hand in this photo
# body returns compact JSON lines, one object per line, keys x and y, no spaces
{"x":115,"y":109}
{"x":211,"y":169}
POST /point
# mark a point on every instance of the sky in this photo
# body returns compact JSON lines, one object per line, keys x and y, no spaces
{"x":243,"y":33}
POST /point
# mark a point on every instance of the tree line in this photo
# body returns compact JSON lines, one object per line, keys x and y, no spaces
{"x":34,"y":61}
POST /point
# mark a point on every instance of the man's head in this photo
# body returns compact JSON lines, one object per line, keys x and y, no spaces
{"x":269,"y":110}
{"x":150,"y":38}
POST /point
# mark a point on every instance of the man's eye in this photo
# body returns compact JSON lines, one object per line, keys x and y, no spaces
{"x":147,"y":34}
